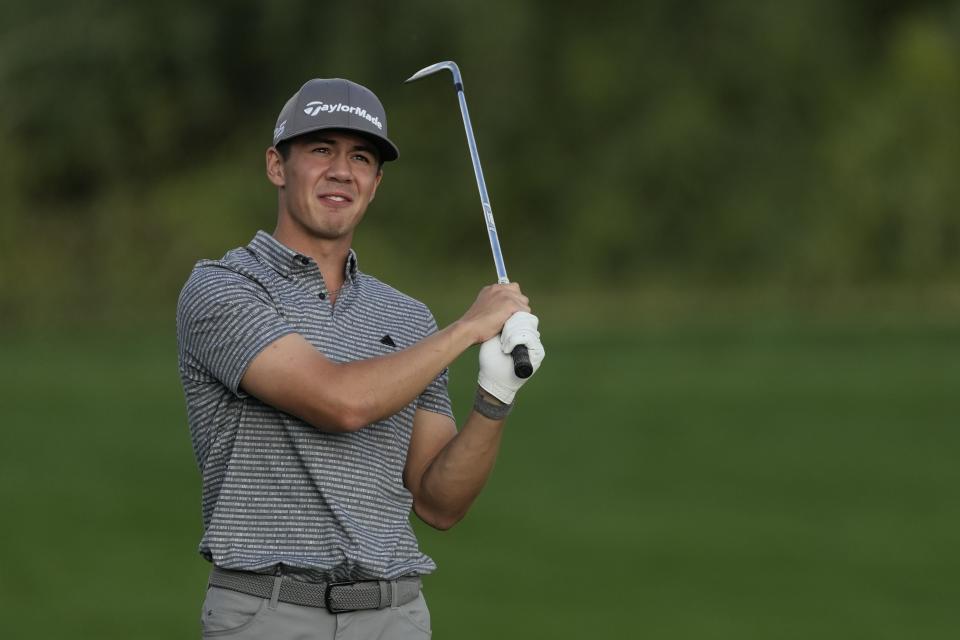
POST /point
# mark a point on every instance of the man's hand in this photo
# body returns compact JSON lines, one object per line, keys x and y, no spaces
{"x":494,"y":304}
{"x":496,"y":366}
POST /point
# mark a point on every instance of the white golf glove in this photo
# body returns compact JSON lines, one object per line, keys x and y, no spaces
{"x":496,"y":365}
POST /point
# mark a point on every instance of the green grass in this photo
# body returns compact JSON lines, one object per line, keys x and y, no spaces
{"x":704,"y":481}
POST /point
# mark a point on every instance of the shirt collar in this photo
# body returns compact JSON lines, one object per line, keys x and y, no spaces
{"x":286,"y":261}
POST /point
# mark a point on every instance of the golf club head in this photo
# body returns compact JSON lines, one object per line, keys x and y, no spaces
{"x":439,"y":66}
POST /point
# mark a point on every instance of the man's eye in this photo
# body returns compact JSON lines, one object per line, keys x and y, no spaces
{"x":362,"y":158}
{"x":321,"y":149}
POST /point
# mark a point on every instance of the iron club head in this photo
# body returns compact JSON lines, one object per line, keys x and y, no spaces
{"x":439,"y":66}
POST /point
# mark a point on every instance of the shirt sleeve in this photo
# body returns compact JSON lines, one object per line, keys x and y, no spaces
{"x":224,"y":320}
{"x":435,"y":397}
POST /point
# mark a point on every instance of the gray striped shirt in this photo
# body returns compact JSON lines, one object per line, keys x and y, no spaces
{"x":275,"y":489}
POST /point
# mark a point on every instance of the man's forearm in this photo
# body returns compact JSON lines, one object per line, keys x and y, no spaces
{"x":386,"y":384}
{"x":457,"y":475}
{"x":293,"y":376}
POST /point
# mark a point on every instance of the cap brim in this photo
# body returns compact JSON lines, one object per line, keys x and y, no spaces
{"x":388,"y":150}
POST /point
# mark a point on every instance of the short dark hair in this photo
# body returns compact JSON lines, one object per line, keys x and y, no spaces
{"x":283,"y":148}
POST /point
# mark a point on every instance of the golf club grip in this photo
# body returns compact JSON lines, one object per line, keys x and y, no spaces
{"x":521,"y":361}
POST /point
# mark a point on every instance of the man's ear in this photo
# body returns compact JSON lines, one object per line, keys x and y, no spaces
{"x":275,"y":167}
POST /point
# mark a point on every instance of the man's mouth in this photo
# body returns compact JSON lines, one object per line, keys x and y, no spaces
{"x":336,"y":198}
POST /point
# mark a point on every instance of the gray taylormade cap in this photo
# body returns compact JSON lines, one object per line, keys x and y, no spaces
{"x":335,"y":104}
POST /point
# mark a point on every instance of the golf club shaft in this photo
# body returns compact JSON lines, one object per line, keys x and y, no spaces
{"x":482,"y":187}
{"x":521,"y":356}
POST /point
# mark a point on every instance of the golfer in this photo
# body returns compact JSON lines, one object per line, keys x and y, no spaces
{"x":317,"y":398}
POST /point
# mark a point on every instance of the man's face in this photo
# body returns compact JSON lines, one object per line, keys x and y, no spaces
{"x":326,"y":183}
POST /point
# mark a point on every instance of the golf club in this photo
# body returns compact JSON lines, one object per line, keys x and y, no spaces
{"x":521,"y":357}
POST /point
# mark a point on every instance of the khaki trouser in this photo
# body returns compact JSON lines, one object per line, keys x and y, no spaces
{"x":230,"y":614}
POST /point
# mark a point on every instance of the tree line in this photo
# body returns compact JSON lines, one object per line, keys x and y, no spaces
{"x":811,"y":144}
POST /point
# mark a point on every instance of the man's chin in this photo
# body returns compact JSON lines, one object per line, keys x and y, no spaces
{"x":331,"y":234}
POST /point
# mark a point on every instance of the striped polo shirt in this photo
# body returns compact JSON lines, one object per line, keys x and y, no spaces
{"x":277,"y":491}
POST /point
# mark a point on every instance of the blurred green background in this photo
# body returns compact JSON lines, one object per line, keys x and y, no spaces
{"x":738,"y":222}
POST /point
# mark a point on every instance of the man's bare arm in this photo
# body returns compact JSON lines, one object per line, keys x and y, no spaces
{"x":446,"y":470}
{"x":294,"y":377}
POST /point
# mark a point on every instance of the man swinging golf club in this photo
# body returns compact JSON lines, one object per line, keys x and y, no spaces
{"x":317,"y":398}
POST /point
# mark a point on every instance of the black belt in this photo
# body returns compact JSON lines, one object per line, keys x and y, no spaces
{"x":335,"y":597}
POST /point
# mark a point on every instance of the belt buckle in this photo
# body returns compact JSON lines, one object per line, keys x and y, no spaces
{"x":327,"y":597}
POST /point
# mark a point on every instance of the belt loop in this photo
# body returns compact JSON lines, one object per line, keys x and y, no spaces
{"x":384,"y":593}
{"x":395,"y":587}
{"x":275,"y":597}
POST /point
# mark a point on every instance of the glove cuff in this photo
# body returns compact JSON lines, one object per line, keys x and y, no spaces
{"x":498,"y":391}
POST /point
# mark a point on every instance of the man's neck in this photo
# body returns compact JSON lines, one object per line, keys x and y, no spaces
{"x":330,"y":256}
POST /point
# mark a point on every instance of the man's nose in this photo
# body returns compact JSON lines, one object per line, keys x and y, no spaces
{"x":340,"y":167}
